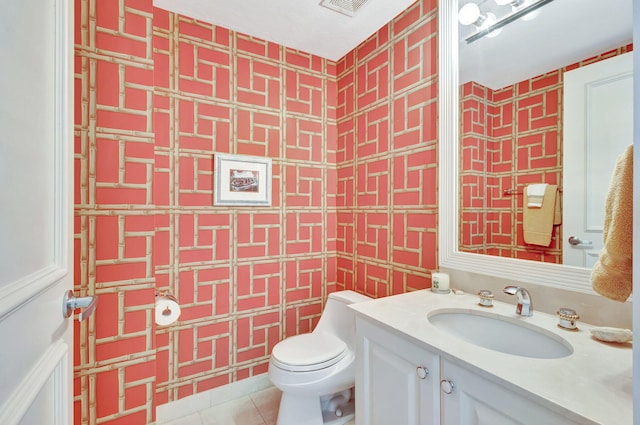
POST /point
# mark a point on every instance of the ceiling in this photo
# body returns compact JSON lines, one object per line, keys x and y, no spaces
{"x":298,"y":24}
{"x":565,"y":32}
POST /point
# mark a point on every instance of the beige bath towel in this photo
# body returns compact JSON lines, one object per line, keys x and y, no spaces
{"x":537,"y":222}
{"x":611,"y":276}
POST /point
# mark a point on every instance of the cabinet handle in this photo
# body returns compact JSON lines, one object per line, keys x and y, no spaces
{"x":422,"y":372}
{"x":446,"y":386}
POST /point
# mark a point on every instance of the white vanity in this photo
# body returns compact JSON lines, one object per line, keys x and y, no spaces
{"x":413,"y":370}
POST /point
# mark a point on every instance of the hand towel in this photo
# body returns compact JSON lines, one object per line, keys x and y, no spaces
{"x":611,"y":275}
{"x":535,"y":195}
{"x":537,"y":222}
{"x":557,"y":217}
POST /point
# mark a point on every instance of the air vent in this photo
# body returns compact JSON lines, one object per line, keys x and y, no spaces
{"x":346,"y":7}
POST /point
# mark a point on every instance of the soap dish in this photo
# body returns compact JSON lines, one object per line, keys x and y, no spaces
{"x":612,"y":334}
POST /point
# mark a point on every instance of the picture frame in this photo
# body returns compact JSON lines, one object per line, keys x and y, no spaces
{"x":241,"y":180}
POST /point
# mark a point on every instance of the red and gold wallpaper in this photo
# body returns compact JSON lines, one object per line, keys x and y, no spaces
{"x":387,"y":157}
{"x":354,"y":148}
{"x":246,"y":277}
{"x":115,"y":223}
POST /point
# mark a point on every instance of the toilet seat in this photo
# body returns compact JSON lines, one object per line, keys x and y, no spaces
{"x":308,"y":352}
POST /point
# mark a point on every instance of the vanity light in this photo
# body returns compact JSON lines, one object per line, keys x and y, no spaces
{"x":531,"y":15}
{"x":517,"y":4}
{"x":513,"y":3}
{"x":489,"y":22}
{"x":470,"y":14}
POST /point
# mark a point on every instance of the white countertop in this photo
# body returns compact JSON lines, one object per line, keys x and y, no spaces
{"x":594,"y":382}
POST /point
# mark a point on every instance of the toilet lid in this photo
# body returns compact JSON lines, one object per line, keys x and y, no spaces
{"x":310,"y":351}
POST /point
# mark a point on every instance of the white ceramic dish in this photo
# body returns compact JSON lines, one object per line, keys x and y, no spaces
{"x":612,"y":334}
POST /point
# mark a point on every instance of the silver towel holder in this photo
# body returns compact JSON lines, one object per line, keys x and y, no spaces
{"x":512,"y":191}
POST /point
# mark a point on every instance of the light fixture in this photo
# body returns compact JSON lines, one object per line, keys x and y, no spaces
{"x":469,"y":14}
{"x":490,"y":22}
{"x":513,"y":3}
{"x":529,"y":16}
{"x":488,"y":25}
{"x":517,"y":4}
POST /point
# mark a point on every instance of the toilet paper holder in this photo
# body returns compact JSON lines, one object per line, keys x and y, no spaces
{"x":167,"y":295}
{"x":169,"y":308}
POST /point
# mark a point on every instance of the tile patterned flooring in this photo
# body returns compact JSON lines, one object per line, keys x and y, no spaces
{"x":259,"y":408}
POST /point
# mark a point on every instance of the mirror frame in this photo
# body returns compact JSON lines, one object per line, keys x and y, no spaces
{"x":546,"y":274}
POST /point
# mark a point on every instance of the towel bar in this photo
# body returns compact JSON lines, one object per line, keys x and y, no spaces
{"x":512,"y":191}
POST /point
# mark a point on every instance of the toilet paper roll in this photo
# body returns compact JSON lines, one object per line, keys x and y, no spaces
{"x":167,"y":310}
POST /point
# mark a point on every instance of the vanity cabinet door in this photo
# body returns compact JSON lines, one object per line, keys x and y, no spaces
{"x":396,"y":381}
{"x":468,"y":399}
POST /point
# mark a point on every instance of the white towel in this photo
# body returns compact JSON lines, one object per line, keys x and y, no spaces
{"x":535,"y":195}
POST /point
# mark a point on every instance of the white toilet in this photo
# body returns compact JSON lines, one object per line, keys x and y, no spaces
{"x":316,"y":371}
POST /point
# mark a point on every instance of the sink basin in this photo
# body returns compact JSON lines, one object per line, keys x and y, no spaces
{"x":500,"y":333}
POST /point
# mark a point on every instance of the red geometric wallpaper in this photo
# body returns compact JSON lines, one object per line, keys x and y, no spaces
{"x":246,"y":277}
{"x":115,"y":226}
{"x":156,"y":95}
{"x":387,"y":157}
{"x":354,"y":151}
{"x":511,"y":137}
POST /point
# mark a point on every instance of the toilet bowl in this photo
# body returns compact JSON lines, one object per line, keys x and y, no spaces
{"x":316,"y":371}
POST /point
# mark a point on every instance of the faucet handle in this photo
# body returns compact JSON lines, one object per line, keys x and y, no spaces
{"x":486,"y":298}
{"x":568,"y":318}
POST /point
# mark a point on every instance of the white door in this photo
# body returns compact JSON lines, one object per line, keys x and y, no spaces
{"x":598,"y":126}
{"x":36,"y":266}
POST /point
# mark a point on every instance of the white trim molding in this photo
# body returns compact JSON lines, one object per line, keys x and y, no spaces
{"x":546,"y":274}
{"x":52,"y":370}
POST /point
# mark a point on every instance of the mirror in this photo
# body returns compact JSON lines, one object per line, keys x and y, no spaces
{"x":501,"y":72}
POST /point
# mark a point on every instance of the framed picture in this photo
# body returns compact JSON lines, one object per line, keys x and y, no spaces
{"x":241,"y":180}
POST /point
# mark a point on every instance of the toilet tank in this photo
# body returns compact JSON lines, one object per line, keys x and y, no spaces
{"x":337,"y":318}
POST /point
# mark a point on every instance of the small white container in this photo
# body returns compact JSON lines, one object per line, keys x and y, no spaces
{"x":440,"y":282}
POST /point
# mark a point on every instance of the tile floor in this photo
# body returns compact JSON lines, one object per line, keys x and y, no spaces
{"x":259,"y":408}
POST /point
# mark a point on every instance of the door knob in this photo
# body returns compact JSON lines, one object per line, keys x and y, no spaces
{"x":70,"y":302}
{"x":577,"y":242}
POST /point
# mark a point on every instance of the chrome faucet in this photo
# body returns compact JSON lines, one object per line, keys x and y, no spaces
{"x":525,"y":306}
